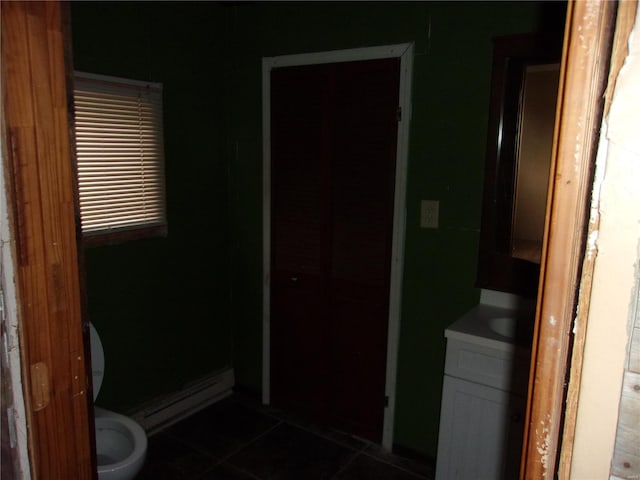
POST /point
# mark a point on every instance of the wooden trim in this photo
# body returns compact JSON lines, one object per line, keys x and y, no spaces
{"x":397,"y":249}
{"x":123,"y":236}
{"x":624,"y":23}
{"x":40,"y":185}
{"x":583,"y":76}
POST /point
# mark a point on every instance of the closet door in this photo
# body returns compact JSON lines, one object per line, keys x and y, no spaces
{"x":334,"y":136}
{"x":300,"y":233}
{"x":362,"y":190}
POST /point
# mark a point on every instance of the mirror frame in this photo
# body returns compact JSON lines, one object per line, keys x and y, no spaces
{"x":497,"y":269}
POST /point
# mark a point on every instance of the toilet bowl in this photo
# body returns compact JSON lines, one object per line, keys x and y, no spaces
{"x":121,"y":444}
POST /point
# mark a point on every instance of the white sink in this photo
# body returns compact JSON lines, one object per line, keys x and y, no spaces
{"x":505,"y":326}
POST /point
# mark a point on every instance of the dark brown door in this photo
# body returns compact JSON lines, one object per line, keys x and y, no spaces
{"x":334,"y":136}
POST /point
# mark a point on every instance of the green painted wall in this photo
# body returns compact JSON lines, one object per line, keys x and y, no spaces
{"x":206,"y":276}
{"x":451,"y":80}
{"x":161,"y":306}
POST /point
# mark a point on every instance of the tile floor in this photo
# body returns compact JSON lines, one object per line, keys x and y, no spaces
{"x":238,"y":439}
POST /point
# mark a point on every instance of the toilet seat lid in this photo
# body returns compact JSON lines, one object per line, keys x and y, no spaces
{"x":97,"y":360}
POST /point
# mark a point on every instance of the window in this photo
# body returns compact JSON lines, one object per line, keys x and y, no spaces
{"x":120,"y":158}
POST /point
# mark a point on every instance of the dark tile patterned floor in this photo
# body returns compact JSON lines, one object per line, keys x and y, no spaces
{"x":237,"y":439}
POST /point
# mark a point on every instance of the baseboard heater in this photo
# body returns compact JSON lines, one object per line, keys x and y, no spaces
{"x":163,"y":412}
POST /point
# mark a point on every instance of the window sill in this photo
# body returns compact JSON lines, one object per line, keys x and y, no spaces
{"x":123,"y":236}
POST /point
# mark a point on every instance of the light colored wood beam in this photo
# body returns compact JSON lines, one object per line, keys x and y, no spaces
{"x":39,"y":177}
{"x":583,"y":78}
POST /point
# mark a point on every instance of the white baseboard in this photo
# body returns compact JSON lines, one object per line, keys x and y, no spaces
{"x":163,"y":412}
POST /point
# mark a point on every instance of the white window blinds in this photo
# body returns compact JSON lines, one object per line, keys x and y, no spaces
{"x":120,"y":153}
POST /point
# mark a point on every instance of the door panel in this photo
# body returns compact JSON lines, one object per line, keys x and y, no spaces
{"x":299,"y":346}
{"x":299,"y":171}
{"x":334,"y":135}
{"x":363,"y":180}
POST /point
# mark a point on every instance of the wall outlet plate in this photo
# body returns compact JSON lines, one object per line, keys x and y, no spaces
{"x":429,"y":213}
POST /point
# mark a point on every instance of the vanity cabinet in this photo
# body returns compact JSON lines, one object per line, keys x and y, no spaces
{"x":483,"y":408}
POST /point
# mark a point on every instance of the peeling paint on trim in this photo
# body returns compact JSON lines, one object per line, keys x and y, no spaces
{"x":11,"y":334}
{"x":599,"y":174}
{"x":543,"y":440}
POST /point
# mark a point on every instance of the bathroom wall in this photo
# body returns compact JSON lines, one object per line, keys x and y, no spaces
{"x":161,"y":306}
{"x":447,"y":145}
{"x":170,"y":310}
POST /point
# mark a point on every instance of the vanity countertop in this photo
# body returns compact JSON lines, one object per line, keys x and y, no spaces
{"x":474,"y":327}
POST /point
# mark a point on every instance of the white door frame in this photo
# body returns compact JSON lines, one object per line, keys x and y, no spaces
{"x":405,"y":53}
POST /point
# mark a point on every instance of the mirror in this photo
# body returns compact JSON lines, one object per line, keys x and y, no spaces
{"x":526,"y":70}
{"x":533,"y":159}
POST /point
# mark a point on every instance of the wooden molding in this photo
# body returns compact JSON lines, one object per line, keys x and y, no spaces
{"x":39,"y":177}
{"x":583,"y":77}
{"x":624,"y":22}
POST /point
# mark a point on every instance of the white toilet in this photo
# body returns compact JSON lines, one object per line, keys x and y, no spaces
{"x":121,"y":444}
